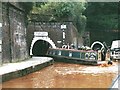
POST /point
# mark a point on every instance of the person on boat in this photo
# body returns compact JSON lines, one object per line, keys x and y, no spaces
{"x":110,"y":62}
{"x":67,"y":46}
{"x":79,"y":48}
{"x":103,"y":54}
{"x":72,"y":46}
{"x":64,"y":46}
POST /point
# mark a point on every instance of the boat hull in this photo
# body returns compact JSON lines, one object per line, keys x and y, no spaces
{"x":73,"y":56}
{"x":75,"y":60}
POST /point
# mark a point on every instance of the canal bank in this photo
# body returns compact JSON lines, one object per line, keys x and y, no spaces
{"x":13,"y":70}
{"x":66,"y":75}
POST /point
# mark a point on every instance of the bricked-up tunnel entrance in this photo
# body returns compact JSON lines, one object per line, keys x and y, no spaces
{"x":40,"y":48}
{"x":40,"y":44}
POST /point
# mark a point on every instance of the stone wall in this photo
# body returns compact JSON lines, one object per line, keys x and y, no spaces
{"x":17,"y":38}
{"x":14,"y":44}
{"x":55,"y":32}
{"x":0,"y":34}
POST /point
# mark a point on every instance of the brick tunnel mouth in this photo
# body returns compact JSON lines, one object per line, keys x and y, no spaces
{"x":40,"y":48}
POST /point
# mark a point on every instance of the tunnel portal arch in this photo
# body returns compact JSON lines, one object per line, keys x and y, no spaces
{"x":35,"y":39}
{"x":95,"y":43}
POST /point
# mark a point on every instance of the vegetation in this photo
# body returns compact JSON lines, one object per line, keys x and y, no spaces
{"x":98,"y":16}
{"x":102,"y":16}
{"x":62,"y":11}
{"x":27,"y":6}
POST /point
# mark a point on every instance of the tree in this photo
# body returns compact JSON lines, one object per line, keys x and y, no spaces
{"x":62,"y":11}
{"x":102,"y":21}
{"x":102,"y":16}
{"x":27,"y":6}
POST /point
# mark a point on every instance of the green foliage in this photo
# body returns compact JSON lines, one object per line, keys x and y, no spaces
{"x":63,"y":11}
{"x":119,"y":18}
{"x":27,"y":6}
{"x":102,"y":16}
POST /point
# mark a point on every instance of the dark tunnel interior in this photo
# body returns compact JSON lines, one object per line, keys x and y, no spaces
{"x":40,"y":48}
{"x":97,"y":47}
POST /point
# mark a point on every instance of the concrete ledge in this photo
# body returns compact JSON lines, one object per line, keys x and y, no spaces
{"x":14,"y":70}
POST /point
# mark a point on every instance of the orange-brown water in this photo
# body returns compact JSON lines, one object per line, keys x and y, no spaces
{"x":64,"y":75}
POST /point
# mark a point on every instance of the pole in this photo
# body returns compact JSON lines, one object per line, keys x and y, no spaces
{"x":63,"y":37}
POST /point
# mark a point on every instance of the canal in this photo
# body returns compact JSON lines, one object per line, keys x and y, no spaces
{"x":66,"y":75}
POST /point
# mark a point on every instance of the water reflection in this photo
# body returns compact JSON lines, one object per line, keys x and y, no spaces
{"x":64,"y":75}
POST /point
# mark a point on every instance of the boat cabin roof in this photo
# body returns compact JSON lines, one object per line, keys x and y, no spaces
{"x":74,"y":50}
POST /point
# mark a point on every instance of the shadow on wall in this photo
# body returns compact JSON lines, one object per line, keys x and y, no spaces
{"x":40,"y":48}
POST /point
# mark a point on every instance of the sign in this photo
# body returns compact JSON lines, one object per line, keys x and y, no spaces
{"x":41,"y":34}
{"x":63,"y":35}
{"x":0,"y":24}
{"x":0,"y":45}
{"x":63,"y":26}
{"x":59,"y":41}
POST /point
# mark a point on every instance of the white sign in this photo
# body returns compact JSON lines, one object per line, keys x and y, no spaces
{"x":0,"y":42}
{"x":59,"y":41}
{"x":63,"y":26}
{"x":0,"y":48}
{"x":0,"y":24}
{"x":0,"y":45}
{"x":43,"y":34}
{"x":63,"y":35}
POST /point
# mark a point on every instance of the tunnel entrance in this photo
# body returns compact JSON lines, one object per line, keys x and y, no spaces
{"x":40,"y":45}
{"x":40,"y":48}
{"x":97,"y":45}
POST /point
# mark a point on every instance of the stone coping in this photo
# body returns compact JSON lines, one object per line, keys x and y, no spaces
{"x":12,"y":67}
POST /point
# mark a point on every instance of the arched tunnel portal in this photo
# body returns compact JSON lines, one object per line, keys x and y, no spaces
{"x":40,"y":48}
{"x":97,"y":45}
{"x":40,"y":45}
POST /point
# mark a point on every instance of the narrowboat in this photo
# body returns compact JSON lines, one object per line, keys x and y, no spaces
{"x":88,"y":57}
